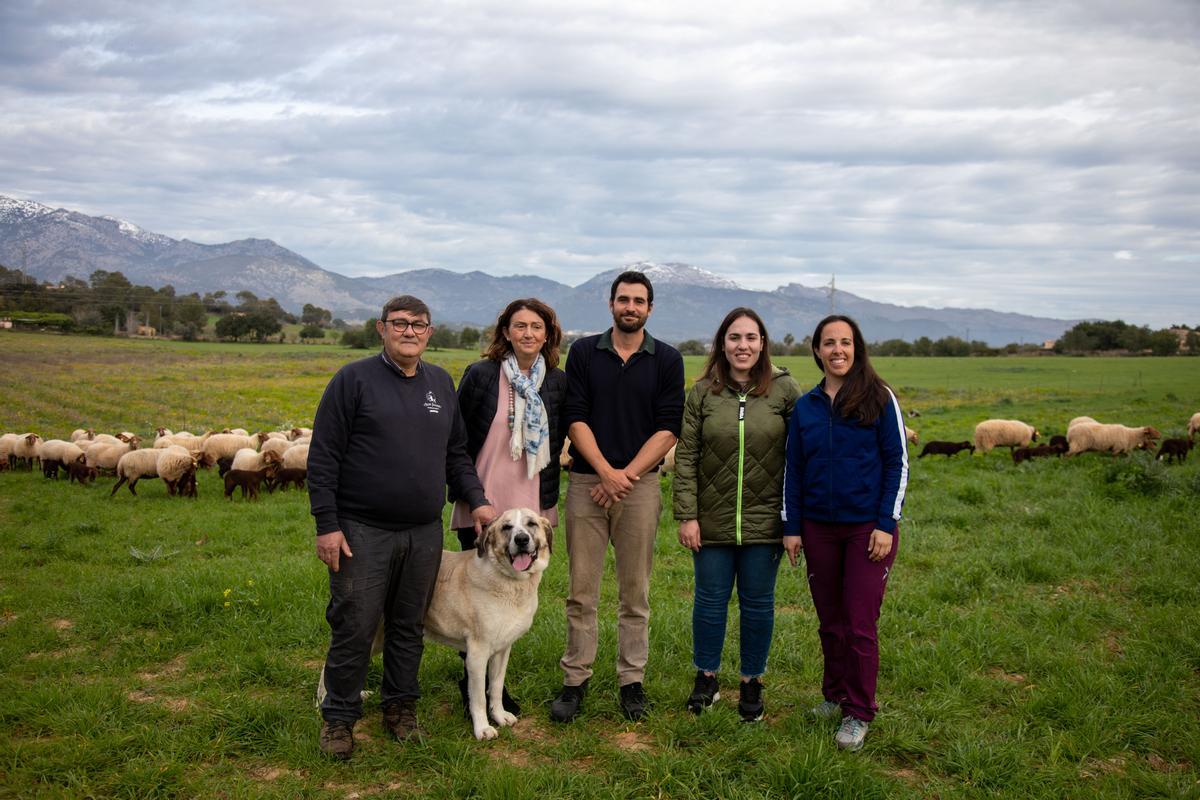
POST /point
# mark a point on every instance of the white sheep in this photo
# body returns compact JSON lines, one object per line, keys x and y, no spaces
{"x":911,"y":435}
{"x":1194,"y":425}
{"x":250,"y":460}
{"x":6,"y":444}
{"x":277,"y":446}
{"x":177,"y":468}
{"x":172,"y":464}
{"x":225,"y":445}
{"x":1081,"y":421}
{"x":135,"y":465}
{"x":296,"y":457}
{"x":82,"y":433}
{"x":56,"y":453}
{"x":1113,"y":438}
{"x":1003,"y":433}
{"x":25,"y":448}
{"x":106,"y":455}
{"x":299,"y":433}
{"x":302,"y":440}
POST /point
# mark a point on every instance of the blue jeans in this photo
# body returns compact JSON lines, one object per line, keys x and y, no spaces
{"x":717,"y":567}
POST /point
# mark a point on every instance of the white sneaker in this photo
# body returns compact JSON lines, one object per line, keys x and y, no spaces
{"x":851,"y":734}
{"x":827,"y":710}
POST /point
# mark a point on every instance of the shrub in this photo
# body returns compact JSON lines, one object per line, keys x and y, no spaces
{"x":1138,"y":474}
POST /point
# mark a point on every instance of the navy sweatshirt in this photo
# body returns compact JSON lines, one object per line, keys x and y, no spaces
{"x":385,"y":446}
{"x":841,"y":471}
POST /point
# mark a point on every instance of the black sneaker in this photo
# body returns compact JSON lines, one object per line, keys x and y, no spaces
{"x":566,"y":706}
{"x":704,"y":693}
{"x":337,"y":739}
{"x":633,"y":701}
{"x":750,"y":704}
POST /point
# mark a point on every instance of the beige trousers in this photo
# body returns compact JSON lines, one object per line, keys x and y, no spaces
{"x":631,"y":526}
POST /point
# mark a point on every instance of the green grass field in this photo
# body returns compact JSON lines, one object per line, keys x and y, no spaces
{"x":1037,"y":639}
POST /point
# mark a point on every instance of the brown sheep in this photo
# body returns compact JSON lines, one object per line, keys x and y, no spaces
{"x":249,"y":481}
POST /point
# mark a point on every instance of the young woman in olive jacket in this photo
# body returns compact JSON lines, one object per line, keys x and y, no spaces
{"x":728,"y":495}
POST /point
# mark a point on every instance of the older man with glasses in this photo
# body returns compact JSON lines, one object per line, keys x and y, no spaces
{"x":387,"y":439}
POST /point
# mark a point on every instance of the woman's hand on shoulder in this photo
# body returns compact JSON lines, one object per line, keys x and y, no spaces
{"x":689,"y":534}
{"x":880,"y":545}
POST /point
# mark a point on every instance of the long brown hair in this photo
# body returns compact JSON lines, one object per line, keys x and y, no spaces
{"x":500,"y":347}
{"x":863,"y":393}
{"x":717,"y":370}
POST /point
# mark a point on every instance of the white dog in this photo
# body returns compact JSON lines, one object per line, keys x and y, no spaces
{"x":484,"y":601}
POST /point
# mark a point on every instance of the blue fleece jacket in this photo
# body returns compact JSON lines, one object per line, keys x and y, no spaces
{"x":841,"y":471}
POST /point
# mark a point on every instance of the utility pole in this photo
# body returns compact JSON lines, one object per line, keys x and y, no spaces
{"x":831,"y":290}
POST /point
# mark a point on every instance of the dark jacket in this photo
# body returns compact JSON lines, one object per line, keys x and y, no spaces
{"x":478,"y":391}
{"x":623,"y":402}
{"x":729,"y":465}
{"x":841,"y":471}
{"x":385,"y":446}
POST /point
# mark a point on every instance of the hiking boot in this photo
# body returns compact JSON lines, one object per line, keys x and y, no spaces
{"x":827,"y":710}
{"x":705,"y":692}
{"x":506,"y":700}
{"x":337,"y":738}
{"x":400,"y":719}
{"x":566,"y":706}
{"x":633,"y":701}
{"x":851,"y":734}
{"x":750,"y":703}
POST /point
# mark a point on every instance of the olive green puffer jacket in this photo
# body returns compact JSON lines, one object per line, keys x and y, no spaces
{"x":729,"y":475}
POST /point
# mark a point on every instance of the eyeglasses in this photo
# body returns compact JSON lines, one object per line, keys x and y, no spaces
{"x":401,"y":325}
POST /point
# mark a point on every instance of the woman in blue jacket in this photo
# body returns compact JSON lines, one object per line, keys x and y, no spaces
{"x":847,"y":469}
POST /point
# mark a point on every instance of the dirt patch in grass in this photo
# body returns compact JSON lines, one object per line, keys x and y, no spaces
{"x":633,"y":741}
{"x":62,"y":624}
{"x":169,"y":670}
{"x":1160,"y":764}
{"x":7,"y":616}
{"x":266,"y":774}
{"x":1095,"y":767}
{"x":908,"y":776}
{"x":1008,"y":677}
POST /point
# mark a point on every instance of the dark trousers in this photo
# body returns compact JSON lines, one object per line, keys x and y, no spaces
{"x":847,"y":591}
{"x":391,"y":577}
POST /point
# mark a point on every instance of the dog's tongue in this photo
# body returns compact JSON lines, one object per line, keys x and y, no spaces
{"x":522,"y":561}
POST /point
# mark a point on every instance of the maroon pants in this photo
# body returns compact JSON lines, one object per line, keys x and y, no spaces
{"x":847,"y":592}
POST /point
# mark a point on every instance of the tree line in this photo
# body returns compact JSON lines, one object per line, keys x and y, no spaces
{"x":108,"y":302}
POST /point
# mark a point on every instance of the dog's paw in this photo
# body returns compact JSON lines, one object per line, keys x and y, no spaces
{"x":502,"y":717}
{"x":485,"y":732}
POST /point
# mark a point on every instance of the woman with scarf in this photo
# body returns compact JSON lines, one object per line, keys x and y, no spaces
{"x":512,"y":403}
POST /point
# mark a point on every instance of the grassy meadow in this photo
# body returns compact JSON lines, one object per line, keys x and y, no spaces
{"x":1038,"y":636}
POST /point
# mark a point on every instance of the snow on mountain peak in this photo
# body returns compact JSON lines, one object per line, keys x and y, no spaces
{"x":676,"y":273}
{"x":136,"y":233}
{"x":13,"y":210}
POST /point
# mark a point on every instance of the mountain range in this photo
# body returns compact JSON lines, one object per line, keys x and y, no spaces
{"x":50,"y":244}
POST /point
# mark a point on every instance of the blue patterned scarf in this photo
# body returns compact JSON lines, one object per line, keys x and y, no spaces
{"x":530,"y":428}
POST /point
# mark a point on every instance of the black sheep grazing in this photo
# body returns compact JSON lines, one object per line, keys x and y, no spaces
{"x":1026,"y":453}
{"x":1176,"y":449}
{"x":945,"y":448}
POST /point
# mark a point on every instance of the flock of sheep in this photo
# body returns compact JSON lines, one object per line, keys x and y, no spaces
{"x":1084,"y":435}
{"x":277,"y":459}
{"x":274,"y":459}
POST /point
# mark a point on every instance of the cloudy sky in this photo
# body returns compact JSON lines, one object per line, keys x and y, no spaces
{"x":1039,"y":157}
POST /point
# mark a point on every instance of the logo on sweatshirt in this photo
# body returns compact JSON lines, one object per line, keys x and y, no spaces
{"x":431,"y":403}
